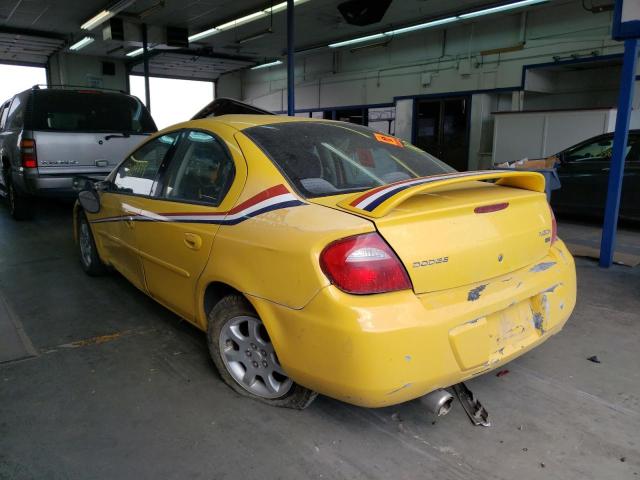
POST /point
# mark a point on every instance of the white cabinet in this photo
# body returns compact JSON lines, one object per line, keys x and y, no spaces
{"x":517,"y":135}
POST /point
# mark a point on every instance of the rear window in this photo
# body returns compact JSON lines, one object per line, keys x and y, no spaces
{"x":70,"y":111}
{"x":320,"y":158}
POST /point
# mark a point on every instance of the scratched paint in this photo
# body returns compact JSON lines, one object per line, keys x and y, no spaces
{"x":474,"y":293}
{"x":399,"y":388}
{"x":537,"y":321}
{"x":541,"y":267}
{"x":551,"y":288}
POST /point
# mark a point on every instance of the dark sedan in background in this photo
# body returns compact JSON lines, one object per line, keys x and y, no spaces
{"x":584,"y":174}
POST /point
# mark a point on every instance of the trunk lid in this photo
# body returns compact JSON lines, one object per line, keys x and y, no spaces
{"x":64,"y":152}
{"x":454,"y":230}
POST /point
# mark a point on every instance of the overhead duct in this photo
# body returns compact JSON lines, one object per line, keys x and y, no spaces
{"x":129,"y":35}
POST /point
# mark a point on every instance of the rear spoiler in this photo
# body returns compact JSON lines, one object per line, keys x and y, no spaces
{"x":379,"y":201}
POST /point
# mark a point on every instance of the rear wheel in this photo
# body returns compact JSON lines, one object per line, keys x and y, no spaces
{"x":245,"y":358}
{"x":89,"y":258}
{"x":20,"y":206}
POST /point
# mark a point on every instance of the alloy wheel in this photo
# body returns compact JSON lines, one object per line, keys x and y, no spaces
{"x":85,"y":243}
{"x":248,"y":355}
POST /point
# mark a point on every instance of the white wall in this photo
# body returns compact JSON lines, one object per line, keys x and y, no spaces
{"x":452,"y":60}
{"x":377,"y":75}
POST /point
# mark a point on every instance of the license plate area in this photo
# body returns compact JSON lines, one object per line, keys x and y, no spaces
{"x":489,"y":339}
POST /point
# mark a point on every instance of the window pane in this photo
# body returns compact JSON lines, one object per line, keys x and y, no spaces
{"x":16,"y":112}
{"x":327,"y":159}
{"x":63,"y":110}
{"x":598,"y":150}
{"x":138,"y":172}
{"x":202,"y":170}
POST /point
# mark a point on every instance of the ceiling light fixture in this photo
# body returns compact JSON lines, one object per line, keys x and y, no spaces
{"x":135,"y":53}
{"x":499,"y":8}
{"x":433,"y":23}
{"x":106,"y":14}
{"x":81,"y":43}
{"x":357,"y":40}
{"x":265,"y":13}
{"x":266,"y":65}
{"x":438,"y":22}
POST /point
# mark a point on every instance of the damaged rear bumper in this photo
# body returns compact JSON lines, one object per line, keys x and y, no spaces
{"x":385,"y":349}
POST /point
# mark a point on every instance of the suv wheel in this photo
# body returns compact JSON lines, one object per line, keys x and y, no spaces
{"x":20,"y":206}
{"x":245,"y":358}
{"x":89,"y":258}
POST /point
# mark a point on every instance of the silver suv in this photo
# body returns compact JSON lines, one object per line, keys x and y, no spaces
{"x":48,"y":136}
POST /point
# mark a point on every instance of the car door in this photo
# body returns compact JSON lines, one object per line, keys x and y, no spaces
{"x":584,"y":173}
{"x":630,"y":200}
{"x":129,"y":187}
{"x":200,"y":185}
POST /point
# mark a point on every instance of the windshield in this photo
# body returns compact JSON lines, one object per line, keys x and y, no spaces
{"x":321,"y":158}
{"x":90,"y":111}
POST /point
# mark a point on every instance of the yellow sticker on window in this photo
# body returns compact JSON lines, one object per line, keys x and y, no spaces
{"x":388,"y":139}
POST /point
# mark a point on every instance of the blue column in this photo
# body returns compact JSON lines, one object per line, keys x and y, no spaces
{"x":145,"y":52}
{"x":616,"y":174}
{"x":291,"y":101}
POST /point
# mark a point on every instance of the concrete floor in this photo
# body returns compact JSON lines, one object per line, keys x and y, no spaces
{"x":144,"y":401}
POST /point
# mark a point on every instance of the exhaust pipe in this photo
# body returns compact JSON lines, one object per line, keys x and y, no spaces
{"x":438,"y":402}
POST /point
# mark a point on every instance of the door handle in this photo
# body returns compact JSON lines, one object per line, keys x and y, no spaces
{"x":192,"y":241}
{"x":606,"y":169}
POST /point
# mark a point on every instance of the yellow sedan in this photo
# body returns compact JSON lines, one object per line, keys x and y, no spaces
{"x":325,"y":257}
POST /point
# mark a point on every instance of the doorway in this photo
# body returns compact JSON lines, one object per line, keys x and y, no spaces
{"x":441,"y":129}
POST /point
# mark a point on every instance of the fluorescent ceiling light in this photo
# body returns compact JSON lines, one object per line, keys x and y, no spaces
{"x":201,"y":35}
{"x":93,"y":22}
{"x":357,"y":40}
{"x":81,"y":43}
{"x":391,"y":33}
{"x":500,"y":8}
{"x":266,"y":13}
{"x":265,"y":65}
{"x":242,"y":20}
{"x":435,"y":23}
{"x":135,"y":53}
{"x":106,"y":14}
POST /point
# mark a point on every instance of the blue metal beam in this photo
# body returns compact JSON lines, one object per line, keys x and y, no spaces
{"x":291,"y":103}
{"x":616,"y":174}
{"x":145,"y":52}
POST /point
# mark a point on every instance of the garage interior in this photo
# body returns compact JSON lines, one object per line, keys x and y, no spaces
{"x":99,"y":381}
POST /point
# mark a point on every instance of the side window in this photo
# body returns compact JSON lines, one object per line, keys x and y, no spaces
{"x":3,"y":114}
{"x":201,"y":170}
{"x":633,"y":149}
{"x":598,"y":150}
{"x":138,"y":172}
{"x":15,"y":118}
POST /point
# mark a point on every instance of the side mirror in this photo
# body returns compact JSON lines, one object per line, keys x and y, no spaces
{"x":90,"y":200}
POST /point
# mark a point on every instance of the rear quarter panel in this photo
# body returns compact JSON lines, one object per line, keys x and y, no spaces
{"x":275,"y":255}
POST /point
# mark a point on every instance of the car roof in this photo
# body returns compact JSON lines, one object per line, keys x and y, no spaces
{"x":243,"y":121}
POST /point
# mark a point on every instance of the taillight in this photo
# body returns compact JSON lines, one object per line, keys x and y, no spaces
{"x":554,"y":227}
{"x":28,"y":153}
{"x":363,"y":264}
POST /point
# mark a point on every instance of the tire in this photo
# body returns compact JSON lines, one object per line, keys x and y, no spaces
{"x":88,"y":253}
{"x":234,"y":326}
{"x":20,"y":206}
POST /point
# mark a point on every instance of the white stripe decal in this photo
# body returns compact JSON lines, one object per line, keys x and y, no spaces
{"x":223,"y":217}
{"x":369,"y":200}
